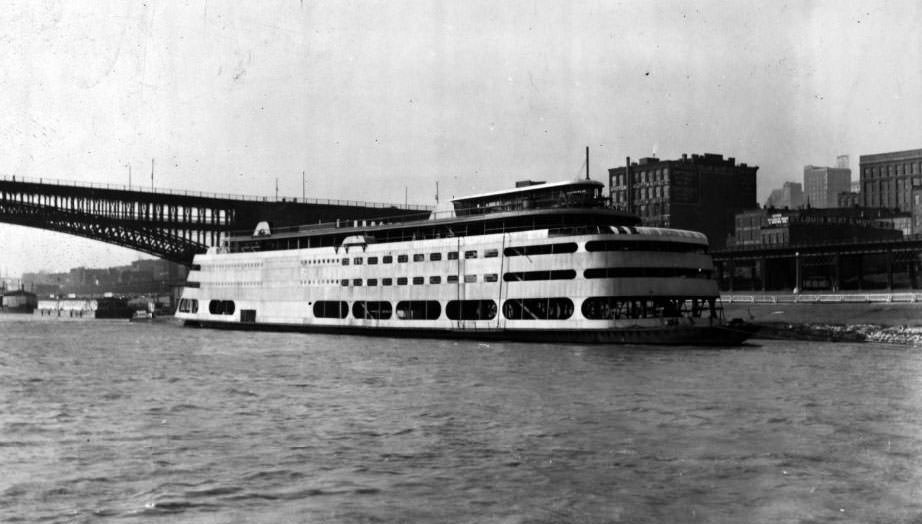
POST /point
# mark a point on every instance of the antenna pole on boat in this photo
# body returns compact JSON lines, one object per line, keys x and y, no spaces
{"x":436,"y":191}
{"x":587,"y":162}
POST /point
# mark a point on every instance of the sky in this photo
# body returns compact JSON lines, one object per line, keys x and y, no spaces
{"x":373,"y":99}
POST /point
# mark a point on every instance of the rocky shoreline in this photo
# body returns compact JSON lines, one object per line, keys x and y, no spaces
{"x":903,"y":335}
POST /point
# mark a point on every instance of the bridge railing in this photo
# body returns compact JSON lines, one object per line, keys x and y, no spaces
{"x":204,"y":194}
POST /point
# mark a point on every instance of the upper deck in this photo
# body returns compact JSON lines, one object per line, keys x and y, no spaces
{"x":575,"y":207}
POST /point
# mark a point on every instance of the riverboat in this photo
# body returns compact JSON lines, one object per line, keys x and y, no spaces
{"x":542,"y":262}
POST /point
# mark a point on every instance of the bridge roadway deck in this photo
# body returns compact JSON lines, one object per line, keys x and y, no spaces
{"x":174,"y":225}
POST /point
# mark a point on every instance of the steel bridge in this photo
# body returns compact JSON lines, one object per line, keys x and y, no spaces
{"x":173,"y":225}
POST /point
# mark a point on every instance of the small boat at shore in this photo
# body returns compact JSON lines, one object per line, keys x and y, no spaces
{"x":142,"y":315}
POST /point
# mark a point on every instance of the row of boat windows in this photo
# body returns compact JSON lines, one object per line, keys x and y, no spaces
{"x":418,"y":281}
{"x":512,"y":276}
{"x":529,"y":276}
{"x":420,"y":257}
{"x":533,"y":250}
{"x":548,"y":308}
{"x":551,"y":308}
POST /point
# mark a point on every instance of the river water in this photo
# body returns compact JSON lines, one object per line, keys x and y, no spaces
{"x":106,"y":421}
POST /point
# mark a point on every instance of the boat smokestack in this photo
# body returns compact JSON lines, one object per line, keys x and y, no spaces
{"x":587,"y":162}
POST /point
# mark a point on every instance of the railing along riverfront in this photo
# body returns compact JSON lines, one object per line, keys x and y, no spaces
{"x":203,"y":194}
{"x":844,"y":298}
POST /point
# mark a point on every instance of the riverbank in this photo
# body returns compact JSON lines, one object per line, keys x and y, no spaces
{"x":837,"y":322}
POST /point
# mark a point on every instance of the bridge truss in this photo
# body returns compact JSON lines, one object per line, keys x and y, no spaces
{"x":171,"y":225}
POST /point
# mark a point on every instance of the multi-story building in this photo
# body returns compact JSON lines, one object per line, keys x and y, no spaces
{"x":849,"y":199}
{"x":774,"y":227}
{"x":702,"y":193}
{"x":822,"y":185}
{"x":791,"y":196}
{"x":887,"y":179}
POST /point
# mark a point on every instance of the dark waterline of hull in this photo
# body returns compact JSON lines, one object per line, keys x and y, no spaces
{"x":733,"y":334}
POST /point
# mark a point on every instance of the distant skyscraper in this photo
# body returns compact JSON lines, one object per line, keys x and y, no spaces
{"x":822,"y":185}
{"x":887,"y":179}
{"x":791,"y":196}
{"x":842,"y":162}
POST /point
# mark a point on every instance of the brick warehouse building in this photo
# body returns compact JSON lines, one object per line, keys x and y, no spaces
{"x":887,"y":179}
{"x":701,"y":193}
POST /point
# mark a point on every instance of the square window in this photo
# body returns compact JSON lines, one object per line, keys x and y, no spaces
{"x":372,"y":261}
{"x":345,"y":261}
{"x":470,"y":254}
{"x":418,"y":281}
{"x":387,"y":259}
{"x":345,"y":282}
{"x":387,"y":282}
{"x":402,"y":258}
{"x":452,"y":255}
{"x":401,"y":281}
{"x":357,"y":282}
{"x":435,"y":280}
{"x":435,"y":257}
{"x":372,"y":281}
{"x":357,"y":261}
{"x":419,"y":257}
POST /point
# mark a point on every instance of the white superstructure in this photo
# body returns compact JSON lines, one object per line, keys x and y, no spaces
{"x":530,"y":263}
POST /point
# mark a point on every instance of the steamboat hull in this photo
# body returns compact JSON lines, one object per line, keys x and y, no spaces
{"x":711,"y":336}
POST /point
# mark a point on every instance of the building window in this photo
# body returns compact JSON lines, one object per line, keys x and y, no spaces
{"x":344,"y":282}
{"x":435,"y":279}
{"x":401,"y":281}
{"x":451,"y":279}
{"x":418,"y":281}
{"x":491,"y":253}
{"x":490,"y":277}
{"x":372,"y":261}
{"x":372,"y":281}
{"x":419,"y":257}
{"x":387,"y":259}
{"x":345,"y":261}
{"x":452,"y":255}
{"x":435,"y":257}
{"x":387,"y":282}
{"x":357,"y":282}
{"x":470,"y":279}
{"x":357,"y":261}
{"x":470,"y":254}
{"x":402,"y":259}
